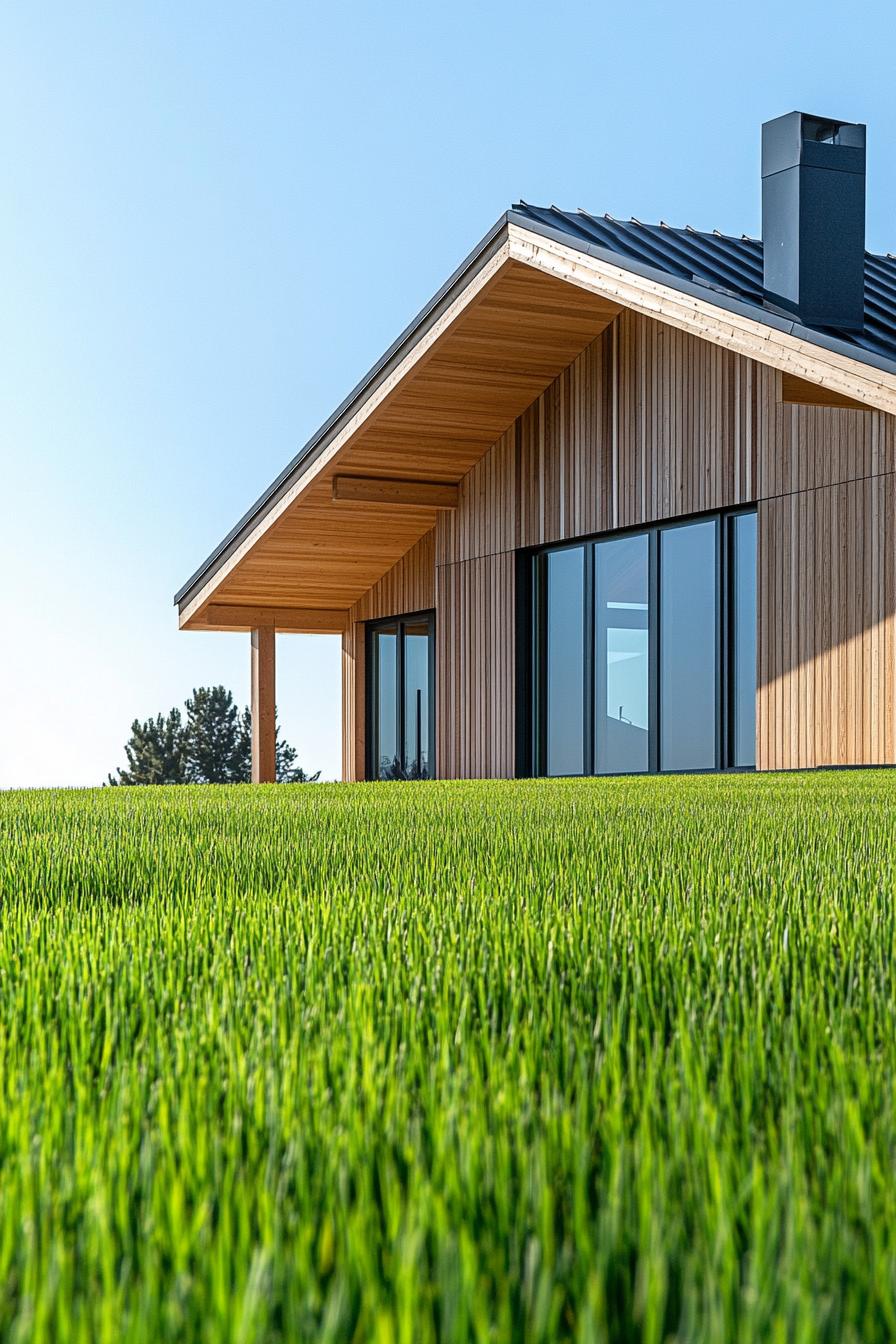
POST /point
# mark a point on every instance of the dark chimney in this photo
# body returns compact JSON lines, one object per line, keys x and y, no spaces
{"x":813,"y":219}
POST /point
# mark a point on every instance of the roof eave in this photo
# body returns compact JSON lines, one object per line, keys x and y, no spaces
{"x":476,"y":259}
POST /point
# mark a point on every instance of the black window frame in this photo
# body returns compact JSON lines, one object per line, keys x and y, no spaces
{"x":729,"y":631}
{"x":371,"y":696}
{"x":531,"y":660}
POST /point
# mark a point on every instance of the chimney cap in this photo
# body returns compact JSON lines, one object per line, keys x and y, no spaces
{"x":801,"y":139}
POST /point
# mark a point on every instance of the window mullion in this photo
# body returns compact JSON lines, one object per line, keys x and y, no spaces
{"x":721,"y":642}
{"x":725,"y":627}
{"x":589,"y":717}
{"x":399,"y":692}
{"x":653,"y":652}
{"x":431,"y":692}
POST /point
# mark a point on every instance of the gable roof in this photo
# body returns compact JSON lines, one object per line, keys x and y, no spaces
{"x":537,"y":288}
{"x":730,"y":266}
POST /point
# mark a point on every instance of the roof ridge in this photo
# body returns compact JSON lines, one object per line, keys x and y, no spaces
{"x":521,"y":203}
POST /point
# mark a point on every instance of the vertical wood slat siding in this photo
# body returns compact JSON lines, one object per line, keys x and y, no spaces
{"x":827,"y":654}
{"x":695,"y":428}
{"x":475,"y":641}
{"x":672,"y":433}
{"x":649,"y":423}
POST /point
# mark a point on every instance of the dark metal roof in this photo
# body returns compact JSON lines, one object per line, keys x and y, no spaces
{"x":730,"y":266}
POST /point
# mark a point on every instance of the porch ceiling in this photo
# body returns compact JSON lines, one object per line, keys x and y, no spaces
{"x":509,"y":333}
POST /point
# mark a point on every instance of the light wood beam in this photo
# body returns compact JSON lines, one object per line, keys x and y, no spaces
{"x":403,"y":494}
{"x":264,"y":732}
{"x":289,"y":620}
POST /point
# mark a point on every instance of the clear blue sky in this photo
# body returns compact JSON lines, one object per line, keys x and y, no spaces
{"x":215,"y":217}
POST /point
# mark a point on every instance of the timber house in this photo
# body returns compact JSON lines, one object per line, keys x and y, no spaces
{"x":621,"y":499}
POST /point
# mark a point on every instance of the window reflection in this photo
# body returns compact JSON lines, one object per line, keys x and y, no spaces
{"x":386,"y":728}
{"x":416,"y":701}
{"x":401,"y":707}
{"x":565,"y":726}
{"x":621,"y":655}
{"x":631,"y":674}
{"x":743,"y":652}
{"x":688,"y":647}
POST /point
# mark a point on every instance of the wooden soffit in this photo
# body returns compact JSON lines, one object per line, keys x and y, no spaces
{"x":503,"y":341}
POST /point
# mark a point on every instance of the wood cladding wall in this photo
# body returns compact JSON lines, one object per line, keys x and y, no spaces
{"x":647,"y":423}
{"x":827,"y":629}
{"x":651,"y":423}
{"x":475,"y":668}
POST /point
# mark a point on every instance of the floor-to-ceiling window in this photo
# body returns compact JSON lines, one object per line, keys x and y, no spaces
{"x":689,"y":646}
{"x":400,"y":700}
{"x":565,"y":660}
{"x":621,"y":655}
{"x":742,"y":653}
{"x":644,"y":650}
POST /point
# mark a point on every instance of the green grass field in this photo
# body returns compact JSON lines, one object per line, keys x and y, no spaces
{"x":534,"y":1061}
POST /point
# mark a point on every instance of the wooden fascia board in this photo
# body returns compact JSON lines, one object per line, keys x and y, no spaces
{"x":416,"y":356}
{"x":754,"y":339}
{"x":376,"y":490}
{"x":291,"y":620}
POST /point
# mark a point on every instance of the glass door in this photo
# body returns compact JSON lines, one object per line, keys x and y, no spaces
{"x":565,"y":662}
{"x":689,"y":646}
{"x":416,"y":697}
{"x":401,"y":701}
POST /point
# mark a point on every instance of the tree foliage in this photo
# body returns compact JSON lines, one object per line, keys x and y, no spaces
{"x":210,"y":744}
{"x":217,"y":750}
{"x":287,"y":770}
{"x":156,"y":752}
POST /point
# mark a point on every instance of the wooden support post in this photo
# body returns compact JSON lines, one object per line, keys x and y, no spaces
{"x":264,"y":732}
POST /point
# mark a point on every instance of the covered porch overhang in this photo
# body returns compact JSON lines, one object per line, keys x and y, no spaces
{"x":361,"y":498}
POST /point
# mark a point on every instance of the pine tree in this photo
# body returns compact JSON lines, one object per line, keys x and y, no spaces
{"x":287,"y":770}
{"x":285,"y":755}
{"x":242,"y":762}
{"x":215,"y":733}
{"x":156,"y":752}
{"x":213,"y":746}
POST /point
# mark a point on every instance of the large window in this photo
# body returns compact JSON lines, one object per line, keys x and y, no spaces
{"x":689,"y":646}
{"x":565,"y":661}
{"x":400,"y":702}
{"x":621,"y":655}
{"x":742,"y":596}
{"x":644,"y":650}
